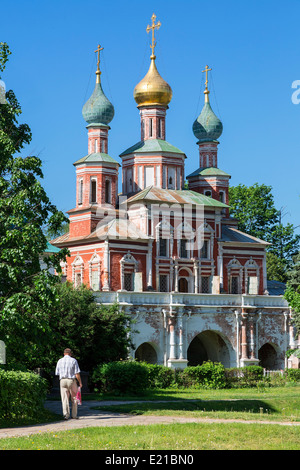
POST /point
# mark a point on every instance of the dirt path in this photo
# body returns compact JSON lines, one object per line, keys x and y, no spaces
{"x":92,"y":418}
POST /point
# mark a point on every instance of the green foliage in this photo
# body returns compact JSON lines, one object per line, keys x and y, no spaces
{"x":207,"y":375}
{"x":26,"y":292}
{"x":22,"y":394}
{"x":122,"y":377}
{"x":95,"y":333}
{"x":293,"y":375}
{"x":160,"y":376}
{"x":241,"y":377}
{"x":257,"y":215}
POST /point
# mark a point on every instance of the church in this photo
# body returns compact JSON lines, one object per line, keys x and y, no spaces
{"x":165,"y":248}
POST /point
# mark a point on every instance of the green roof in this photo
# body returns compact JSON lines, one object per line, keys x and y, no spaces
{"x":96,"y":158}
{"x":173,"y":196}
{"x":211,"y":171}
{"x":152,"y":145}
{"x":51,"y":249}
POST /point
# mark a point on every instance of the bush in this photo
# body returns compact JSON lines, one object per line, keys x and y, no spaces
{"x":247,"y":376}
{"x":160,"y":376}
{"x":207,"y":375}
{"x":22,"y":394}
{"x":293,"y":375}
{"x":123,"y":377}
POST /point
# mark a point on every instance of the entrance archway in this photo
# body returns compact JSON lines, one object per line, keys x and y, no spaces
{"x":208,"y":346}
{"x":268,"y":357}
{"x":146,"y":353}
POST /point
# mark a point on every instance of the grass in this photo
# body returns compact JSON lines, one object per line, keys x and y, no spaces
{"x":191,"y":436}
{"x":280,"y":404}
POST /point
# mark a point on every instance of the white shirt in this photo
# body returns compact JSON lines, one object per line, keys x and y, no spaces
{"x":67,"y":367}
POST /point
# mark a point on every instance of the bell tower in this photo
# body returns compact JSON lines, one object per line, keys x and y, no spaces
{"x":97,"y":172}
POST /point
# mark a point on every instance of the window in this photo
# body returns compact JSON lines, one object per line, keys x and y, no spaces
{"x":221,"y":196}
{"x":159,"y":127}
{"x":252,"y":285}
{"x":95,"y":280}
{"x":107,"y":192}
{"x":163,"y":283}
{"x":80,"y":191}
{"x":162,"y":247}
{"x":150,"y":127}
{"x":205,"y":285}
{"x":204,"y":249}
{"x":128,"y":281}
{"x":93,"y":190}
{"x":96,"y":146}
{"x":78,"y":280}
{"x":183,"y":249}
{"x":207,"y":193}
{"x":234,"y":285}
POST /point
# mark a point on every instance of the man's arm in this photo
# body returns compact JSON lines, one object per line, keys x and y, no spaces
{"x":79,"y":380}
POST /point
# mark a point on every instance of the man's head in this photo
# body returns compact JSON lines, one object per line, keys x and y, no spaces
{"x":68,"y":352}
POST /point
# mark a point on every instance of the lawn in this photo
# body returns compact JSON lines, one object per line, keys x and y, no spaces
{"x":279,"y":404}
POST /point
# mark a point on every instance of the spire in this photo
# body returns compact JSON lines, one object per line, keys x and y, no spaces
{"x":153,"y":27}
{"x":98,"y":73}
{"x":206,"y":91}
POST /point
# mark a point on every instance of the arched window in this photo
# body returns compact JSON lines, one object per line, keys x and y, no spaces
{"x":80,"y":191}
{"x":77,"y":271}
{"x":93,"y":190}
{"x":108,"y":191}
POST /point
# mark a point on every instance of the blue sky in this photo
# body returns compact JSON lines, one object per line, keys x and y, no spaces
{"x":252,"y":47}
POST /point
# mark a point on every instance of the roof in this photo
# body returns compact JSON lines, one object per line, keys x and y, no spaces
{"x":107,"y":229}
{"x":173,"y":196}
{"x":233,"y":235}
{"x":211,"y":171}
{"x":276,"y":287}
{"x":51,"y":249}
{"x":118,"y":229}
{"x":96,"y":158}
{"x":152,"y":145}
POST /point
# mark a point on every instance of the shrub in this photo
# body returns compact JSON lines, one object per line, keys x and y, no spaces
{"x":22,"y":394}
{"x":293,"y":375}
{"x":160,"y":376}
{"x":121,"y":377}
{"x":207,"y":375}
{"x":247,"y":376}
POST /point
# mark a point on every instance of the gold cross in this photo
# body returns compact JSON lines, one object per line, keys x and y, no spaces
{"x":99,"y":48}
{"x":206,"y":70}
{"x":153,"y":27}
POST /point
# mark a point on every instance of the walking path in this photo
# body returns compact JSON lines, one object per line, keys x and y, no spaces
{"x":92,"y":418}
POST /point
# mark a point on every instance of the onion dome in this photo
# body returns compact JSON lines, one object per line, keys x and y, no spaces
{"x":152,"y":89}
{"x":207,"y":127}
{"x":98,"y":110}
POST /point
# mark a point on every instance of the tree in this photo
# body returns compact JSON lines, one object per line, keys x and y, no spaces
{"x":95,"y":333}
{"x":24,"y":209}
{"x":292,"y":293}
{"x":255,"y":210}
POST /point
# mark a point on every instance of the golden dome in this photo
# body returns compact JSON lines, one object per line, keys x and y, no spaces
{"x":152,"y":89}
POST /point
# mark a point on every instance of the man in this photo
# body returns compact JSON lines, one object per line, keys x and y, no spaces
{"x":68,"y":370}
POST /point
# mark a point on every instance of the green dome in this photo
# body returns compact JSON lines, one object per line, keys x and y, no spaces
{"x":98,"y":109}
{"x":207,"y":127}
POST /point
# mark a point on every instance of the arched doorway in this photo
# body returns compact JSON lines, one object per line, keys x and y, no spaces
{"x":268,"y":357}
{"x":146,"y":353}
{"x":209,"y":346}
{"x":183,"y":285}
